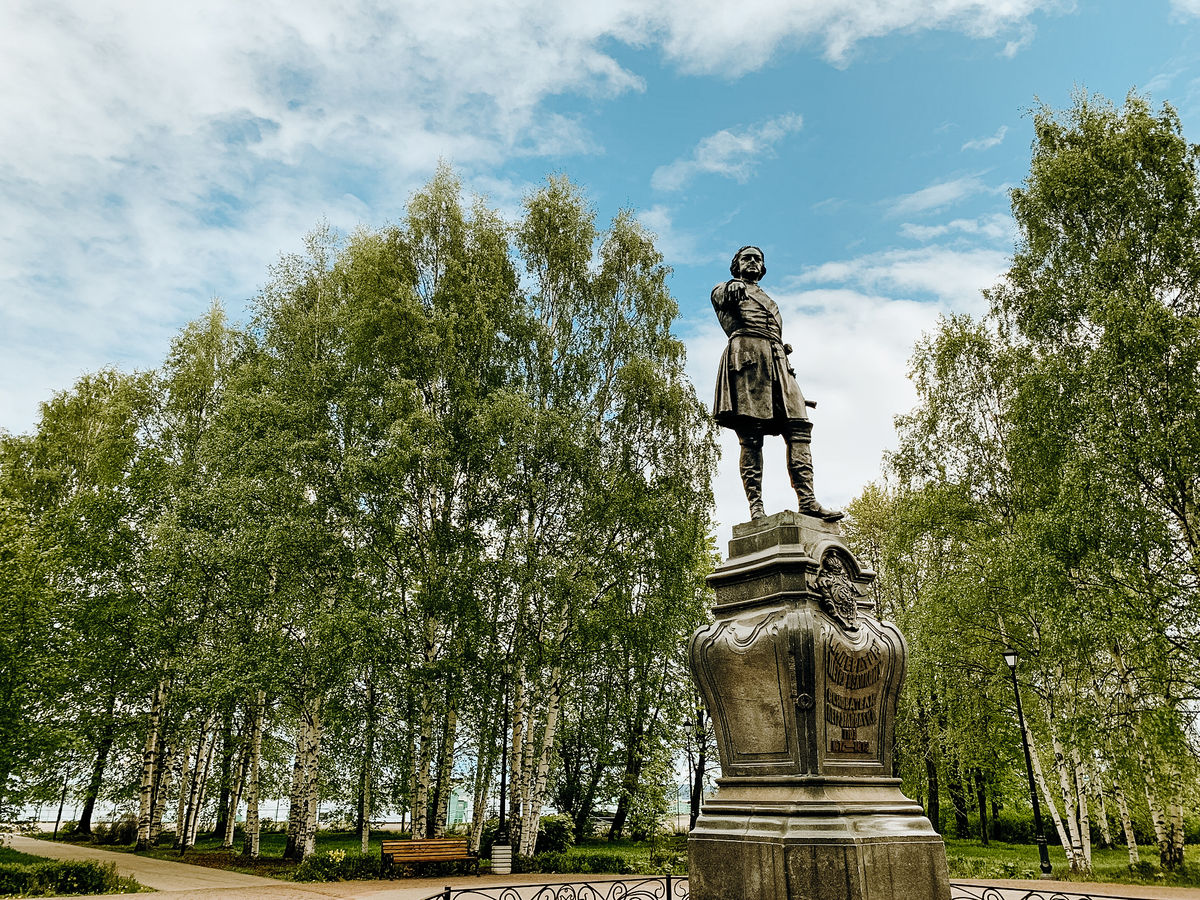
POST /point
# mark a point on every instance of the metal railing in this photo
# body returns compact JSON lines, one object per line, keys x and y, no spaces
{"x":646,"y":887}
{"x":673,"y":887}
{"x":960,"y":891}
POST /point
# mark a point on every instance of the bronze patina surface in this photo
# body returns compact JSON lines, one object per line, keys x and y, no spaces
{"x":757,"y":393}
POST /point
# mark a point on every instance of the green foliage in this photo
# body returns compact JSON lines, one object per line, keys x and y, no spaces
{"x":1044,"y":492}
{"x":58,"y":877}
{"x":587,"y":863}
{"x":449,"y":461}
{"x":337,"y":865}
{"x":121,"y":832}
{"x":555,"y":834}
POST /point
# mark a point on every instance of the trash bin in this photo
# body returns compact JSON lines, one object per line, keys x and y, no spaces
{"x":501,"y":859}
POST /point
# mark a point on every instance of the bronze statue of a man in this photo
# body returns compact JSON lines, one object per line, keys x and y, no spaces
{"x":757,"y":392}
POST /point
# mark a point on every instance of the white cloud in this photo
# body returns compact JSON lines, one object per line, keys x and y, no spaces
{"x":714,"y":35}
{"x":727,"y":153}
{"x":160,"y":153}
{"x":996,"y":227}
{"x":1024,"y":39}
{"x":940,"y":195}
{"x":986,"y":143}
{"x":677,"y":245}
{"x":1186,"y":7}
{"x":952,"y":276}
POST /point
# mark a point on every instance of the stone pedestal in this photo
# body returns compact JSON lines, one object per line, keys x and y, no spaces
{"x":802,"y":680}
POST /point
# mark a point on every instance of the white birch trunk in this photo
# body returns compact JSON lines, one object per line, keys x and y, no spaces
{"x":445,"y":765}
{"x":314,"y":776}
{"x":1126,"y":822}
{"x":199,"y":776}
{"x":295,"y":807}
{"x":312,"y":809}
{"x":1085,"y":823}
{"x":185,"y":776}
{"x":236,"y":799}
{"x":368,"y":764}
{"x":1176,"y":828}
{"x":523,"y":787}
{"x":1068,"y":797}
{"x":484,"y":764}
{"x":250,"y":837}
{"x":1097,"y":781}
{"x":366,"y":831}
{"x":1156,"y":813}
{"x":305,"y":771}
{"x":538,"y":788}
{"x":199,"y":811}
{"x":365,"y":837}
{"x":422,"y":764}
{"x":158,"y":804}
{"x":514,"y":750}
{"x":1040,"y":778}
{"x":150,"y":758}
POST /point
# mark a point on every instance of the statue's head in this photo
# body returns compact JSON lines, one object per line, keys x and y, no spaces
{"x":752,"y":257}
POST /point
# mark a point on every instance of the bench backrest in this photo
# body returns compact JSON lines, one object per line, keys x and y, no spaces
{"x":426,"y":849}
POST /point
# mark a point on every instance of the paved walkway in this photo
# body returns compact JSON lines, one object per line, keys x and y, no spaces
{"x":1048,"y":889}
{"x":187,"y":882}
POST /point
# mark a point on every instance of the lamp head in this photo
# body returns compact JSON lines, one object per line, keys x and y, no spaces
{"x":1010,"y":658}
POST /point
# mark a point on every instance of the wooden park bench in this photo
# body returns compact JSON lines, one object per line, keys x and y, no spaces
{"x":424,"y":851}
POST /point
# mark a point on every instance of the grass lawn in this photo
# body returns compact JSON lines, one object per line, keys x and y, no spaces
{"x":9,"y":855}
{"x":270,"y":863}
{"x":969,"y":859}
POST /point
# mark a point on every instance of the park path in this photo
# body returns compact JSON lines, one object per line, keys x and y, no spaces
{"x":160,"y":874}
{"x":187,"y":882}
{"x":1016,"y":888}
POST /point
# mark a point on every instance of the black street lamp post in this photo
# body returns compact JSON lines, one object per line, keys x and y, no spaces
{"x":1010,"y":658}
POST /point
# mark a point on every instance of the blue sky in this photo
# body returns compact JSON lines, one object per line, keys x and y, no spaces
{"x":155,"y":156}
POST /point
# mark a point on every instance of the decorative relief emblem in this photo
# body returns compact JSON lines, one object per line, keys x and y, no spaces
{"x":839,"y":594}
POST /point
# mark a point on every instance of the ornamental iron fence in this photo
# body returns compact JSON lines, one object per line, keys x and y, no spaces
{"x":647,"y":887}
{"x":960,"y":891}
{"x":669,"y":887}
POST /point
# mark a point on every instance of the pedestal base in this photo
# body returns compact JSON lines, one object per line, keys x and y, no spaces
{"x":831,"y":841}
{"x":802,"y":682}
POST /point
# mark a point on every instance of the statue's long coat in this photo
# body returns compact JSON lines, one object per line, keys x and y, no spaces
{"x":756,"y":388}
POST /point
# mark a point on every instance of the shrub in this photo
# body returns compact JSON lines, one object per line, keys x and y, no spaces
{"x":668,"y":853}
{"x":337,"y":865}
{"x":16,"y":878}
{"x":122,"y":831}
{"x":57,"y":876}
{"x":574,"y":863}
{"x":555,"y":834}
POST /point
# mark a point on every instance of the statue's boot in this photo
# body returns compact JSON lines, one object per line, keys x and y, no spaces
{"x":800,"y":469}
{"x":751,"y":465}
